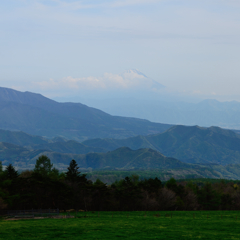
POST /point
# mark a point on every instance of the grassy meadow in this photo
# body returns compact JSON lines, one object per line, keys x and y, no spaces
{"x":128,"y":225}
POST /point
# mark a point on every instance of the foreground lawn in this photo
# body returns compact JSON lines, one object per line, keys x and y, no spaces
{"x":128,"y":225}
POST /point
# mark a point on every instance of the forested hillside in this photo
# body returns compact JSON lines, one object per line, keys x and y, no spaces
{"x":188,"y":144}
{"x":122,"y":158}
{"x":45,"y":187}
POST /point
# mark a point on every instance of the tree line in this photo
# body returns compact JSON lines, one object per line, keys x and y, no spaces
{"x":46,"y":187}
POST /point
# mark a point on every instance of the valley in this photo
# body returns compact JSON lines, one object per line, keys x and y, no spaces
{"x":33,"y":125}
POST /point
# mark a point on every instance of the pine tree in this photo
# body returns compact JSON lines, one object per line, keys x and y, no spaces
{"x":43,"y":165}
{"x":73,"y":174}
{"x":11,"y":173}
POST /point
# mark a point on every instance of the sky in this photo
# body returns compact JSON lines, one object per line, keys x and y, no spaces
{"x":61,"y":48}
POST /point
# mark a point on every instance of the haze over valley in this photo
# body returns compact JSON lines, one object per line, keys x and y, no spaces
{"x":33,"y":125}
{"x":119,"y":119}
{"x":121,"y":86}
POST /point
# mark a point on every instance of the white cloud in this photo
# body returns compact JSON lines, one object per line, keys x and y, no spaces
{"x":131,"y":79}
{"x":185,"y":44}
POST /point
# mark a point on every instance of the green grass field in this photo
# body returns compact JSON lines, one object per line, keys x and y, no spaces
{"x":128,"y":225}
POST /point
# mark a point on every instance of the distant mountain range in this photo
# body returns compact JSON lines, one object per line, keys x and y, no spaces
{"x":38,"y":115}
{"x":121,"y":159}
{"x":195,"y":144}
{"x":99,"y":141}
{"x":23,"y":139}
{"x":164,"y":109}
{"x":202,"y":151}
{"x":56,"y":144}
{"x":188,"y":144}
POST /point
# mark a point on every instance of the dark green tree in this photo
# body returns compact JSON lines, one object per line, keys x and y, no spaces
{"x":43,"y":165}
{"x":172,"y":185}
{"x":151,"y":185}
{"x":127,"y":194}
{"x":10,"y":172}
{"x":73,"y":174}
{"x":208,"y":198}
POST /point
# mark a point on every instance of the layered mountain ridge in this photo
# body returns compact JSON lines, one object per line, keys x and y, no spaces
{"x":38,"y":115}
{"x":121,"y":158}
{"x":194,"y":144}
{"x":97,"y":140}
{"x":188,"y":144}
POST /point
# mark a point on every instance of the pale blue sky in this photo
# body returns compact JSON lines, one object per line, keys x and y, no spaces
{"x":191,"y":46}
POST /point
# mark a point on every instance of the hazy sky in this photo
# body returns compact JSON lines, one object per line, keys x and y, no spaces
{"x":190,"y":46}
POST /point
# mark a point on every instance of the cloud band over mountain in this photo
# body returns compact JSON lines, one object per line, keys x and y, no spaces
{"x":130,"y":79}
